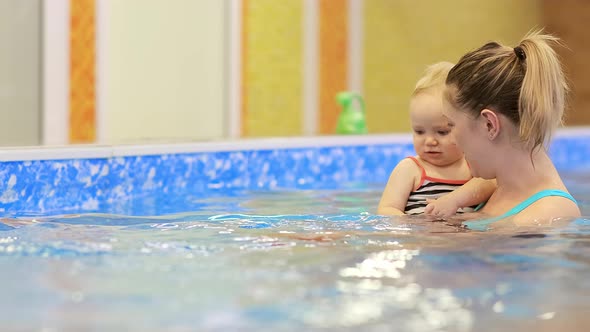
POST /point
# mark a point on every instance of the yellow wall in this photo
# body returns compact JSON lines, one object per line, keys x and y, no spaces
{"x":403,"y":36}
{"x":164,"y":70}
{"x":272,"y":67}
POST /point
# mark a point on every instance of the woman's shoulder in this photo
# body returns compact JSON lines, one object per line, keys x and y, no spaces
{"x":547,"y":208}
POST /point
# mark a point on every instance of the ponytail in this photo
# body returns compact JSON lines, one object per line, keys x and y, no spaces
{"x":524,"y":83}
{"x":542,"y":95}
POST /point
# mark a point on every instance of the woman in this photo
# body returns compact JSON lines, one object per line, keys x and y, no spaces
{"x":504,"y":104}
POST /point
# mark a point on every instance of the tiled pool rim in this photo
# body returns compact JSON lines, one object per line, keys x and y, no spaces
{"x":39,"y":179}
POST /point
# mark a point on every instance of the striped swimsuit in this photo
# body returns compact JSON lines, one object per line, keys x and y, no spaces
{"x":431,"y":188}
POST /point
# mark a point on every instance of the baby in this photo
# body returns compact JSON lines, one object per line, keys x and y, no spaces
{"x":439,"y":168}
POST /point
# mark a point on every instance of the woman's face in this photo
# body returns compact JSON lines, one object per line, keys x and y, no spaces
{"x":470,"y":135}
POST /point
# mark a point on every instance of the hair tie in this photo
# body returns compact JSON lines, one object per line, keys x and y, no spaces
{"x":520,"y":53}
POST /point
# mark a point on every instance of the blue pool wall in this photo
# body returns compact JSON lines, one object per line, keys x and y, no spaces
{"x":88,"y":178}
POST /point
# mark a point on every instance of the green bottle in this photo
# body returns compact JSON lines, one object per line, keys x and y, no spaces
{"x":351,"y":120}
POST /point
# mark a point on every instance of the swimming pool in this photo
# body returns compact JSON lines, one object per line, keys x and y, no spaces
{"x":270,"y":234}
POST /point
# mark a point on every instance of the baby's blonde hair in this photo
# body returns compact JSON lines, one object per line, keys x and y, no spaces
{"x":434,"y":78}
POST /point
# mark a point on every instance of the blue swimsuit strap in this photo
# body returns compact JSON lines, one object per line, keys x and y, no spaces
{"x":481,"y":225}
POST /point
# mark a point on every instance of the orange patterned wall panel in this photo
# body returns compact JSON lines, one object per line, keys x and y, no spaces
{"x":82,"y":71}
{"x":333,"y":64}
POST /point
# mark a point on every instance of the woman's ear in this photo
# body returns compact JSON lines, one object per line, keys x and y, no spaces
{"x":492,"y":123}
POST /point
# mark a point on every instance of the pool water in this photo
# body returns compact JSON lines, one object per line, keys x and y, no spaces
{"x":290,"y":261}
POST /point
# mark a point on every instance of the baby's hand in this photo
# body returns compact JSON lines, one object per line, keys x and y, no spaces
{"x":441,"y":208}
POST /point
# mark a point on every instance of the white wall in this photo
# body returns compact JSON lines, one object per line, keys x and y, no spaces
{"x":161,"y":70}
{"x":56,"y":80}
{"x":20,"y":72}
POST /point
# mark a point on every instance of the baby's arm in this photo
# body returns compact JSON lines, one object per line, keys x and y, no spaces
{"x":475,"y":191}
{"x":398,"y":188}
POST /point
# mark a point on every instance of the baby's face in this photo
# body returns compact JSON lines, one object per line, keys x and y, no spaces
{"x":433,"y":141}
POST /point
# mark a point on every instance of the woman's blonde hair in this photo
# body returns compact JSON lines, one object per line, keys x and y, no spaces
{"x":525,"y":83}
{"x":434,"y":78}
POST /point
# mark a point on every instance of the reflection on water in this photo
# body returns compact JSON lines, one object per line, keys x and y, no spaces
{"x":310,"y":260}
